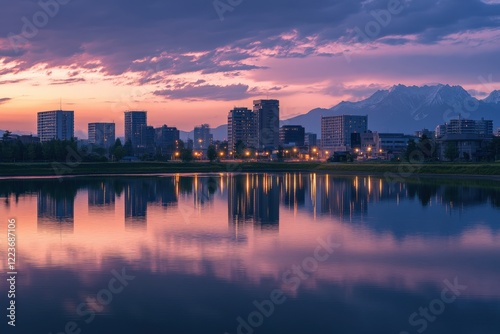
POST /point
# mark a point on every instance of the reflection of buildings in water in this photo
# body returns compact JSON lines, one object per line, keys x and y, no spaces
{"x":453,"y":197}
{"x":254,"y":199}
{"x":101,"y":195}
{"x":294,"y":190}
{"x":204,"y":190}
{"x":166,"y":191}
{"x":55,"y":214}
{"x":139,"y":193}
{"x":343,"y":198}
{"x":136,"y":203}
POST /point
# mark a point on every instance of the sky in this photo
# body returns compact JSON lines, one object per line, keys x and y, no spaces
{"x":190,"y":62}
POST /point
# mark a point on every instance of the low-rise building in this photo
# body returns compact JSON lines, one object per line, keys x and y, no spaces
{"x":292,"y":135}
{"x":463,"y":146}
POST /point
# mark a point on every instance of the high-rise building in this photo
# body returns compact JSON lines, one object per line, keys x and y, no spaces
{"x":166,"y":139}
{"x":336,"y":131}
{"x":56,"y":124}
{"x":102,"y":134}
{"x":202,"y":137}
{"x":310,"y":139}
{"x":292,"y":135}
{"x":484,"y":127}
{"x":134,"y":120}
{"x":268,"y":123}
{"x":241,"y":125}
{"x":147,"y":142}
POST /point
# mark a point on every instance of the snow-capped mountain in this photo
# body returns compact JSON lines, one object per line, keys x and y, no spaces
{"x":408,"y":109}
{"x":494,"y":97}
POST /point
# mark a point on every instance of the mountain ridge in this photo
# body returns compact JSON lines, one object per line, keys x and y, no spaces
{"x":408,"y":109}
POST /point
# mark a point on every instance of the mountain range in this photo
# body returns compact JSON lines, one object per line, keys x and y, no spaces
{"x":403,"y":109}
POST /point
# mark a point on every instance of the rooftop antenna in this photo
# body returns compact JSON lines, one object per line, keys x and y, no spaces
{"x":60,"y":104}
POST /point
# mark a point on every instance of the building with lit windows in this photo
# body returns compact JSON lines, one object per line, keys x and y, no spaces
{"x":56,"y":124}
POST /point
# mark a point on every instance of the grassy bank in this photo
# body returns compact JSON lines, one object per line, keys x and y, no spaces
{"x":48,"y":169}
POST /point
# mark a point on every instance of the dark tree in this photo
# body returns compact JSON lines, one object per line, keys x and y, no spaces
{"x":451,"y":152}
{"x":187,"y":155}
{"x":211,"y":153}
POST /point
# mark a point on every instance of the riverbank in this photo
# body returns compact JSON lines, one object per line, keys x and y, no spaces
{"x":395,"y":170}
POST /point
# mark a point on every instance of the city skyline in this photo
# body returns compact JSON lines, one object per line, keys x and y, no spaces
{"x":452,"y":113}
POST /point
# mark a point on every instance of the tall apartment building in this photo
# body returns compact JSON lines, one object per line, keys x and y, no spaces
{"x":134,"y":121}
{"x":147,"y":142}
{"x":310,"y":139}
{"x":202,"y":137}
{"x":166,"y":139}
{"x":241,"y":125}
{"x":56,"y":124}
{"x":268,"y":123}
{"x":336,"y":131}
{"x":102,"y":134}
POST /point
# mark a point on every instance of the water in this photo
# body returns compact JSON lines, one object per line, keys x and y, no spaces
{"x":253,"y":253}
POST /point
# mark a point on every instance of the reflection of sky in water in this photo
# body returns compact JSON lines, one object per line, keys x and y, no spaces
{"x":203,"y":248}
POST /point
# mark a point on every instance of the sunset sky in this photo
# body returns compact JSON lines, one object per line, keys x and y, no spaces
{"x":188,"y":62}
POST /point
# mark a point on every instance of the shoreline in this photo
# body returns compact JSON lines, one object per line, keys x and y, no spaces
{"x":486,"y":171}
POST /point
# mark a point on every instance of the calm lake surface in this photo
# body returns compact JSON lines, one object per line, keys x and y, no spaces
{"x":253,"y":253}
